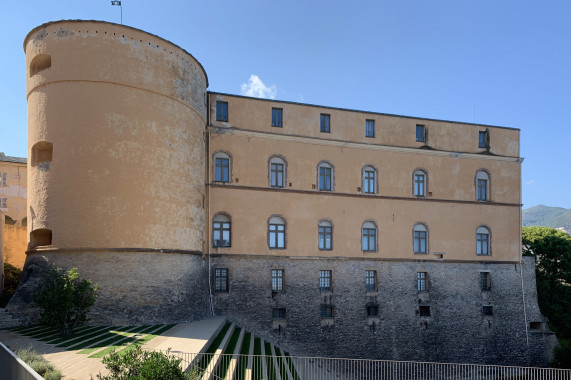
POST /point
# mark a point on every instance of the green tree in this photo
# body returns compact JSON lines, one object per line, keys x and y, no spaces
{"x":65,"y":299}
{"x":12,"y":277}
{"x":137,"y":364}
{"x":552,"y":250}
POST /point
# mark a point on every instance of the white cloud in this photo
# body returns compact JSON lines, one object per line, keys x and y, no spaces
{"x":256,"y":88}
{"x":530,"y":182}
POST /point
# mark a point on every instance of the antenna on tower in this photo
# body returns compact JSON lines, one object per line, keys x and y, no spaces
{"x":118,"y":2}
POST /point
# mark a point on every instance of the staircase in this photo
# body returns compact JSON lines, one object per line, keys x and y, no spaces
{"x":7,"y":320}
{"x":236,"y":354}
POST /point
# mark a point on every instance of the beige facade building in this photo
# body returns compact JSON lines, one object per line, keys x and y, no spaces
{"x":330,"y":231}
{"x":13,"y":200}
{"x":381,"y":186}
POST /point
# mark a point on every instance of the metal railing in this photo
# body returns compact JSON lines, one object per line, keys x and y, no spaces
{"x":258,"y":367}
{"x":14,"y":368}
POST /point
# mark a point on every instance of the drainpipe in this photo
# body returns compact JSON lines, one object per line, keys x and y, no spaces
{"x":521,"y":270}
{"x":208,"y":224}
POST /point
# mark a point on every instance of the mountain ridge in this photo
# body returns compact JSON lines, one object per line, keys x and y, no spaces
{"x":548,"y":216}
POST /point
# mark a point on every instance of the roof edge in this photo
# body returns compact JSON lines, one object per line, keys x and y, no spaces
{"x":46,"y":24}
{"x":363,"y":111}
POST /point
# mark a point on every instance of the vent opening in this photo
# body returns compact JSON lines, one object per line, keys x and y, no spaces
{"x":40,"y":237}
{"x":42,"y":152}
{"x":39,"y":63}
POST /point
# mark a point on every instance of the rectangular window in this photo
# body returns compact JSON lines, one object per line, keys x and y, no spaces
{"x":276,"y":174}
{"x":279,"y":313}
{"x":420,"y":133}
{"x":222,"y":111}
{"x":370,"y":128}
{"x":369,"y":242}
{"x":277,"y":117}
{"x":277,"y":236}
{"x":482,"y":244}
{"x":419,"y":185}
{"x":370,"y":280}
{"x":325,"y":123}
{"x":325,"y":238}
{"x":221,"y":279}
{"x":482,"y":137}
{"x":324,"y":280}
{"x":3,"y":179}
{"x":420,"y":242}
{"x":482,"y":187}
{"x":326,"y":311}
{"x":222,"y":170}
{"x":324,"y":178}
{"x":421,"y":281}
{"x":485,"y":281}
{"x":3,"y":203}
{"x":488,"y":310}
{"x":369,"y":182}
{"x":221,"y":234}
{"x":372,"y":310}
{"x":277,"y":280}
{"x":424,"y":311}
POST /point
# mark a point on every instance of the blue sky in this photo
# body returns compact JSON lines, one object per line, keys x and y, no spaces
{"x":494,"y":62}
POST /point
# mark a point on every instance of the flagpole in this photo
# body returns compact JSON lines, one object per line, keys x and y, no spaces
{"x":118,"y":2}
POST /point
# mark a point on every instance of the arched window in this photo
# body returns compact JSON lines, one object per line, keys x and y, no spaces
{"x":420,"y":239}
{"x":369,"y":176}
{"x":482,"y":186}
{"x":325,"y":176}
{"x":276,"y":232}
{"x":277,"y":168}
{"x":483,"y":241}
{"x":325,"y":235}
{"x":419,"y":183}
{"x":222,"y":167}
{"x":369,"y":237}
{"x":221,"y":230}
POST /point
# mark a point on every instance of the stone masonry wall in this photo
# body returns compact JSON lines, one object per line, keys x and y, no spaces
{"x":456,"y":331}
{"x":134,"y":287}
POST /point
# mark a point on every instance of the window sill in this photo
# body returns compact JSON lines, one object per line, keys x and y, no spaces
{"x":327,"y":322}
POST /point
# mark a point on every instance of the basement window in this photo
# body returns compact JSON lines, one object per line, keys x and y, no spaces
{"x":488,"y":310}
{"x":40,"y":63}
{"x":279,"y":313}
{"x":424,"y":311}
{"x":535,"y":325}
{"x":40,"y":237}
{"x":42,"y":152}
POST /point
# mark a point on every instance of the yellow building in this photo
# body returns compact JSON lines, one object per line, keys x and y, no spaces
{"x":13,"y":200}
{"x":13,"y":183}
{"x":332,"y":232}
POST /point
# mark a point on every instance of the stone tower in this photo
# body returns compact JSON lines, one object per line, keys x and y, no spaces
{"x":117,"y":167}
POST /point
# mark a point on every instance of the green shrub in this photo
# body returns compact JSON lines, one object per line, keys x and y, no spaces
{"x":12,"y":277}
{"x":562,"y":354}
{"x":137,"y":364}
{"x":64,"y":299}
{"x":53,"y":375}
{"x":28,"y":355}
{"x":39,"y":364}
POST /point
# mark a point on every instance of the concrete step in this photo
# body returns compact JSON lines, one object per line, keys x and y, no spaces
{"x":230,"y":372}
{"x":217,"y":358}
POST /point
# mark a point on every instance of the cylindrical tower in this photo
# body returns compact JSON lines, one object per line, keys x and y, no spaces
{"x":116,"y":120}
